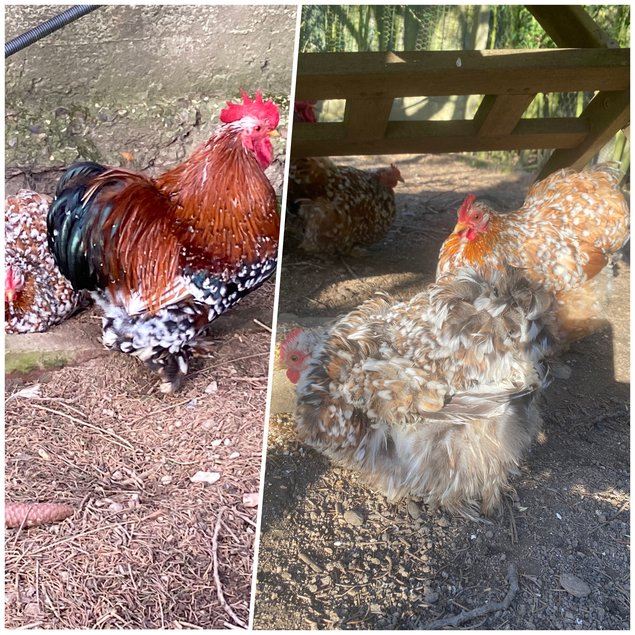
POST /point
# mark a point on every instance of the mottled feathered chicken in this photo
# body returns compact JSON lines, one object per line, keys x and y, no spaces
{"x":36,"y":295}
{"x":433,"y":397}
{"x":165,"y":257}
{"x":569,"y":228}
{"x":339,"y":207}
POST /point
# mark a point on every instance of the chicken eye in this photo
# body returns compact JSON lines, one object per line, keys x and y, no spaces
{"x":294,"y":358}
{"x":258,"y":128}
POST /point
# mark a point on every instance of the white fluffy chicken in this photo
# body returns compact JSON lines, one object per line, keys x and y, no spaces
{"x":433,"y":397}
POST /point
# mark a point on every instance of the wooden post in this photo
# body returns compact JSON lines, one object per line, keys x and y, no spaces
{"x":607,"y":113}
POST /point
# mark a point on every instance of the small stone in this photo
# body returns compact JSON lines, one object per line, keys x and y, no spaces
{"x":431,"y":597}
{"x":205,"y":477}
{"x":414,"y":510}
{"x":489,"y":534}
{"x":443,"y":522}
{"x":353,"y":518}
{"x":574,"y":586}
{"x":166,"y":480}
{"x":312,"y":588}
{"x":212,"y":388}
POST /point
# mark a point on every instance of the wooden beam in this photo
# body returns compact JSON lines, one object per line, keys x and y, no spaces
{"x":366,"y":118}
{"x":607,"y":113}
{"x":490,"y":72}
{"x":498,"y":114}
{"x":571,"y":26}
{"x":414,"y":137}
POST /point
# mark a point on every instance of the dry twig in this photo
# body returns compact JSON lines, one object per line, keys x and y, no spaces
{"x":466,"y":616}
{"x":219,"y":587}
{"x":264,"y":326}
{"x":113,"y":435}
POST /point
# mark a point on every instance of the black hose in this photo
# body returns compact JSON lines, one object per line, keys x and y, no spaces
{"x":46,"y":28}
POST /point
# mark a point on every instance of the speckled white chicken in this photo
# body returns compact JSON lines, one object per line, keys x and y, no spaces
{"x":433,"y":397}
{"x":571,"y":225}
{"x":36,"y":295}
{"x":341,"y":207}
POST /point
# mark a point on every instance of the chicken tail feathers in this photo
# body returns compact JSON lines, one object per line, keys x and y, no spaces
{"x":67,"y":221}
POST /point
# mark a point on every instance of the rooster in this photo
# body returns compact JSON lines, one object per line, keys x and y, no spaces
{"x":165,"y":257}
{"x":36,"y":295}
{"x":433,"y":397}
{"x":570,"y":227}
{"x":340,"y":207}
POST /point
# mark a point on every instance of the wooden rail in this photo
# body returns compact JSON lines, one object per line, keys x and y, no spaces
{"x":508,"y":79}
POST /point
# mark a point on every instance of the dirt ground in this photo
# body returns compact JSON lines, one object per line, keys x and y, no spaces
{"x":140,"y":549}
{"x":334,"y":554}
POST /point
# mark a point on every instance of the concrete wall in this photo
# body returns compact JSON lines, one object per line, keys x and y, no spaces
{"x":150,"y":52}
{"x":140,"y":83}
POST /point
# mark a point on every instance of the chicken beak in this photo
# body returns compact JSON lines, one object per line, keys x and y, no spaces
{"x":459,"y":227}
{"x":400,"y":178}
{"x":274,"y":133}
{"x":9,"y":296}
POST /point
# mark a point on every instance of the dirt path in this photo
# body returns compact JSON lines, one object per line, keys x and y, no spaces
{"x":333,"y":554}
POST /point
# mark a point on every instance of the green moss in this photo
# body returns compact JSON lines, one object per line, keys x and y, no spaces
{"x":26,"y":361}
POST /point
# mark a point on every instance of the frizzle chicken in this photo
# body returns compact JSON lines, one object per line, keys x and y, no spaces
{"x":164,"y":257}
{"x":571,"y":225}
{"x":339,"y":207}
{"x":36,"y":295}
{"x":433,"y":397}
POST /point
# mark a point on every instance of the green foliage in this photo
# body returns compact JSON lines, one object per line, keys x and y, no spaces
{"x":613,"y":19}
{"x":361,"y":28}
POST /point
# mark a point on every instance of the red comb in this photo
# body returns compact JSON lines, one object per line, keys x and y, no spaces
{"x":256,"y":108}
{"x":304,"y":111}
{"x":465,"y":206}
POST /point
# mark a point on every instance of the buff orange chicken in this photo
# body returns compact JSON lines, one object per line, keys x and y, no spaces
{"x":570,"y":227}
